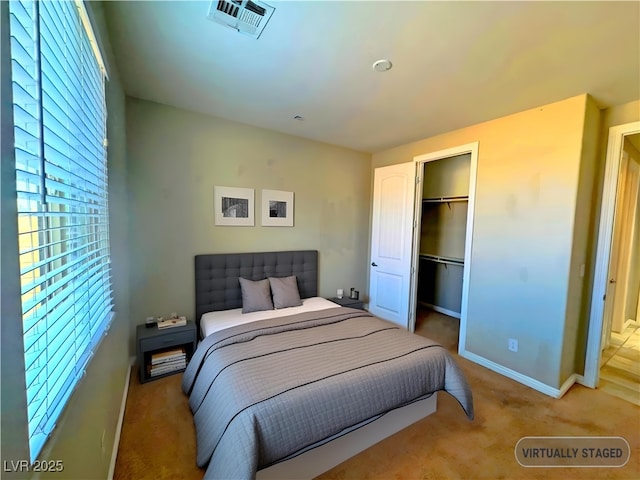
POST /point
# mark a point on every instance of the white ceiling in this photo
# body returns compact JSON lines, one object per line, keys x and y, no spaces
{"x":455,"y":64}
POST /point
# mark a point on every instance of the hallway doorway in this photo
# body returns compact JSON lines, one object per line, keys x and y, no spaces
{"x":620,"y":361}
{"x":616,"y":267}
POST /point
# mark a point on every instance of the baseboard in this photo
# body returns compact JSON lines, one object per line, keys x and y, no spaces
{"x":438,"y":309}
{"x":564,"y":388}
{"x":116,"y":440}
{"x":519,"y":377}
{"x":580,"y":380}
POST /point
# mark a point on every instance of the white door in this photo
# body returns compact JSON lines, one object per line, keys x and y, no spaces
{"x":391,"y":239}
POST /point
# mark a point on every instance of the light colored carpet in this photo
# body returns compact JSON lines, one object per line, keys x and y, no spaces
{"x":158,"y":437}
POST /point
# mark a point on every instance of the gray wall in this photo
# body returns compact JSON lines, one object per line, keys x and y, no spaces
{"x":85,"y":433}
{"x":176,"y":157}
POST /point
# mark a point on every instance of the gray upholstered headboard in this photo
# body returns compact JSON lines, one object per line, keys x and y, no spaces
{"x":218,"y":287}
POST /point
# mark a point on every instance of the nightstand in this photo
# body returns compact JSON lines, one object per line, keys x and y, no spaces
{"x":348,"y":302}
{"x":152,"y":340}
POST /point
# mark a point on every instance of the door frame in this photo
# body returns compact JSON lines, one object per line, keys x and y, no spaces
{"x":420,"y":160}
{"x":595,"y":333}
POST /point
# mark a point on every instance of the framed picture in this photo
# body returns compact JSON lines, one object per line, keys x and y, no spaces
{"x":277,"y":208}
{"x":233,"y":206}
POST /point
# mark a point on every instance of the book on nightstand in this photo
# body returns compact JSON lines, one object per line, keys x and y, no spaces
{"x":161,"y":369}
{"x":167,"y":361}
{"x":172,"y":322}
{"x":168,"y":356}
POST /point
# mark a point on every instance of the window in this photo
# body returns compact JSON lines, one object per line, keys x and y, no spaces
{"x":59,"y":117}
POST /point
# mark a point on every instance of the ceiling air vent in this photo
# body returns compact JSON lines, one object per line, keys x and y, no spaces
{"x":245,"y":16}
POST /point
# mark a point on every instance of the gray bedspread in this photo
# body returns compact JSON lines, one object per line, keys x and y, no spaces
{"x":262,"y":391}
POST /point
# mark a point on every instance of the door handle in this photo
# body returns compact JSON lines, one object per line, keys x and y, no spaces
{"x":374,"y":264}
{"x":612,"y":280}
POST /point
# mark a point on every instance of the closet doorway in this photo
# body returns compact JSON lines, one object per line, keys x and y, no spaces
{"x":445,"y":200}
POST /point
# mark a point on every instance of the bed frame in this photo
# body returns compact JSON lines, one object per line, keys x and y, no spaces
{"x":218,"y":288}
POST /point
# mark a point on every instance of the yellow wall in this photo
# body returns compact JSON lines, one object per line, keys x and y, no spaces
{"x":579,"y":290}
{"x":521,"y":260}
{"x":176,"y":158}
{"x":620,"y":114}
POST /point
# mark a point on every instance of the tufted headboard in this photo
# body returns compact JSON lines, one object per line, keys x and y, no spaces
{"x":218,"y":287}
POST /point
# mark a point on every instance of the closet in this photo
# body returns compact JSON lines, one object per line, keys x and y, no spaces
{"x":445,"y":202}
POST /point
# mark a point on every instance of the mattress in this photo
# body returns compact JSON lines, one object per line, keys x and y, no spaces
{"x":212,"y":322}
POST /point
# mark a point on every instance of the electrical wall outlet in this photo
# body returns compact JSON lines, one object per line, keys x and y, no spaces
{"x":513,"y":344}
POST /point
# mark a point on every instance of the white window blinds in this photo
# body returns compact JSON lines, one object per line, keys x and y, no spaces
{"x":59,"y":116}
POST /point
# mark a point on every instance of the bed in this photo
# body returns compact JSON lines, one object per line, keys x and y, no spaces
{"x":291,"y":391}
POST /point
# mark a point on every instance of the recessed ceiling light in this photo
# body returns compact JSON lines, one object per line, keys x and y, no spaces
{"x":382,"y":65}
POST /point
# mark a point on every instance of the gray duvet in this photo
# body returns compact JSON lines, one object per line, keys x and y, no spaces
{"x":261,"y":392}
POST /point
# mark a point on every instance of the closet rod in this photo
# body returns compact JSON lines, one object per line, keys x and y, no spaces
{"x":463,"y":198}
{"x":445,"y":260}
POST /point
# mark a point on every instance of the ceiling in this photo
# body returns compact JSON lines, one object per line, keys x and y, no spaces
{"x":455,"y":64}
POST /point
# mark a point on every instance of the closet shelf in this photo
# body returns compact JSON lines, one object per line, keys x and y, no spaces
{"x":441,"y":259}
{"x":459,"y":198}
